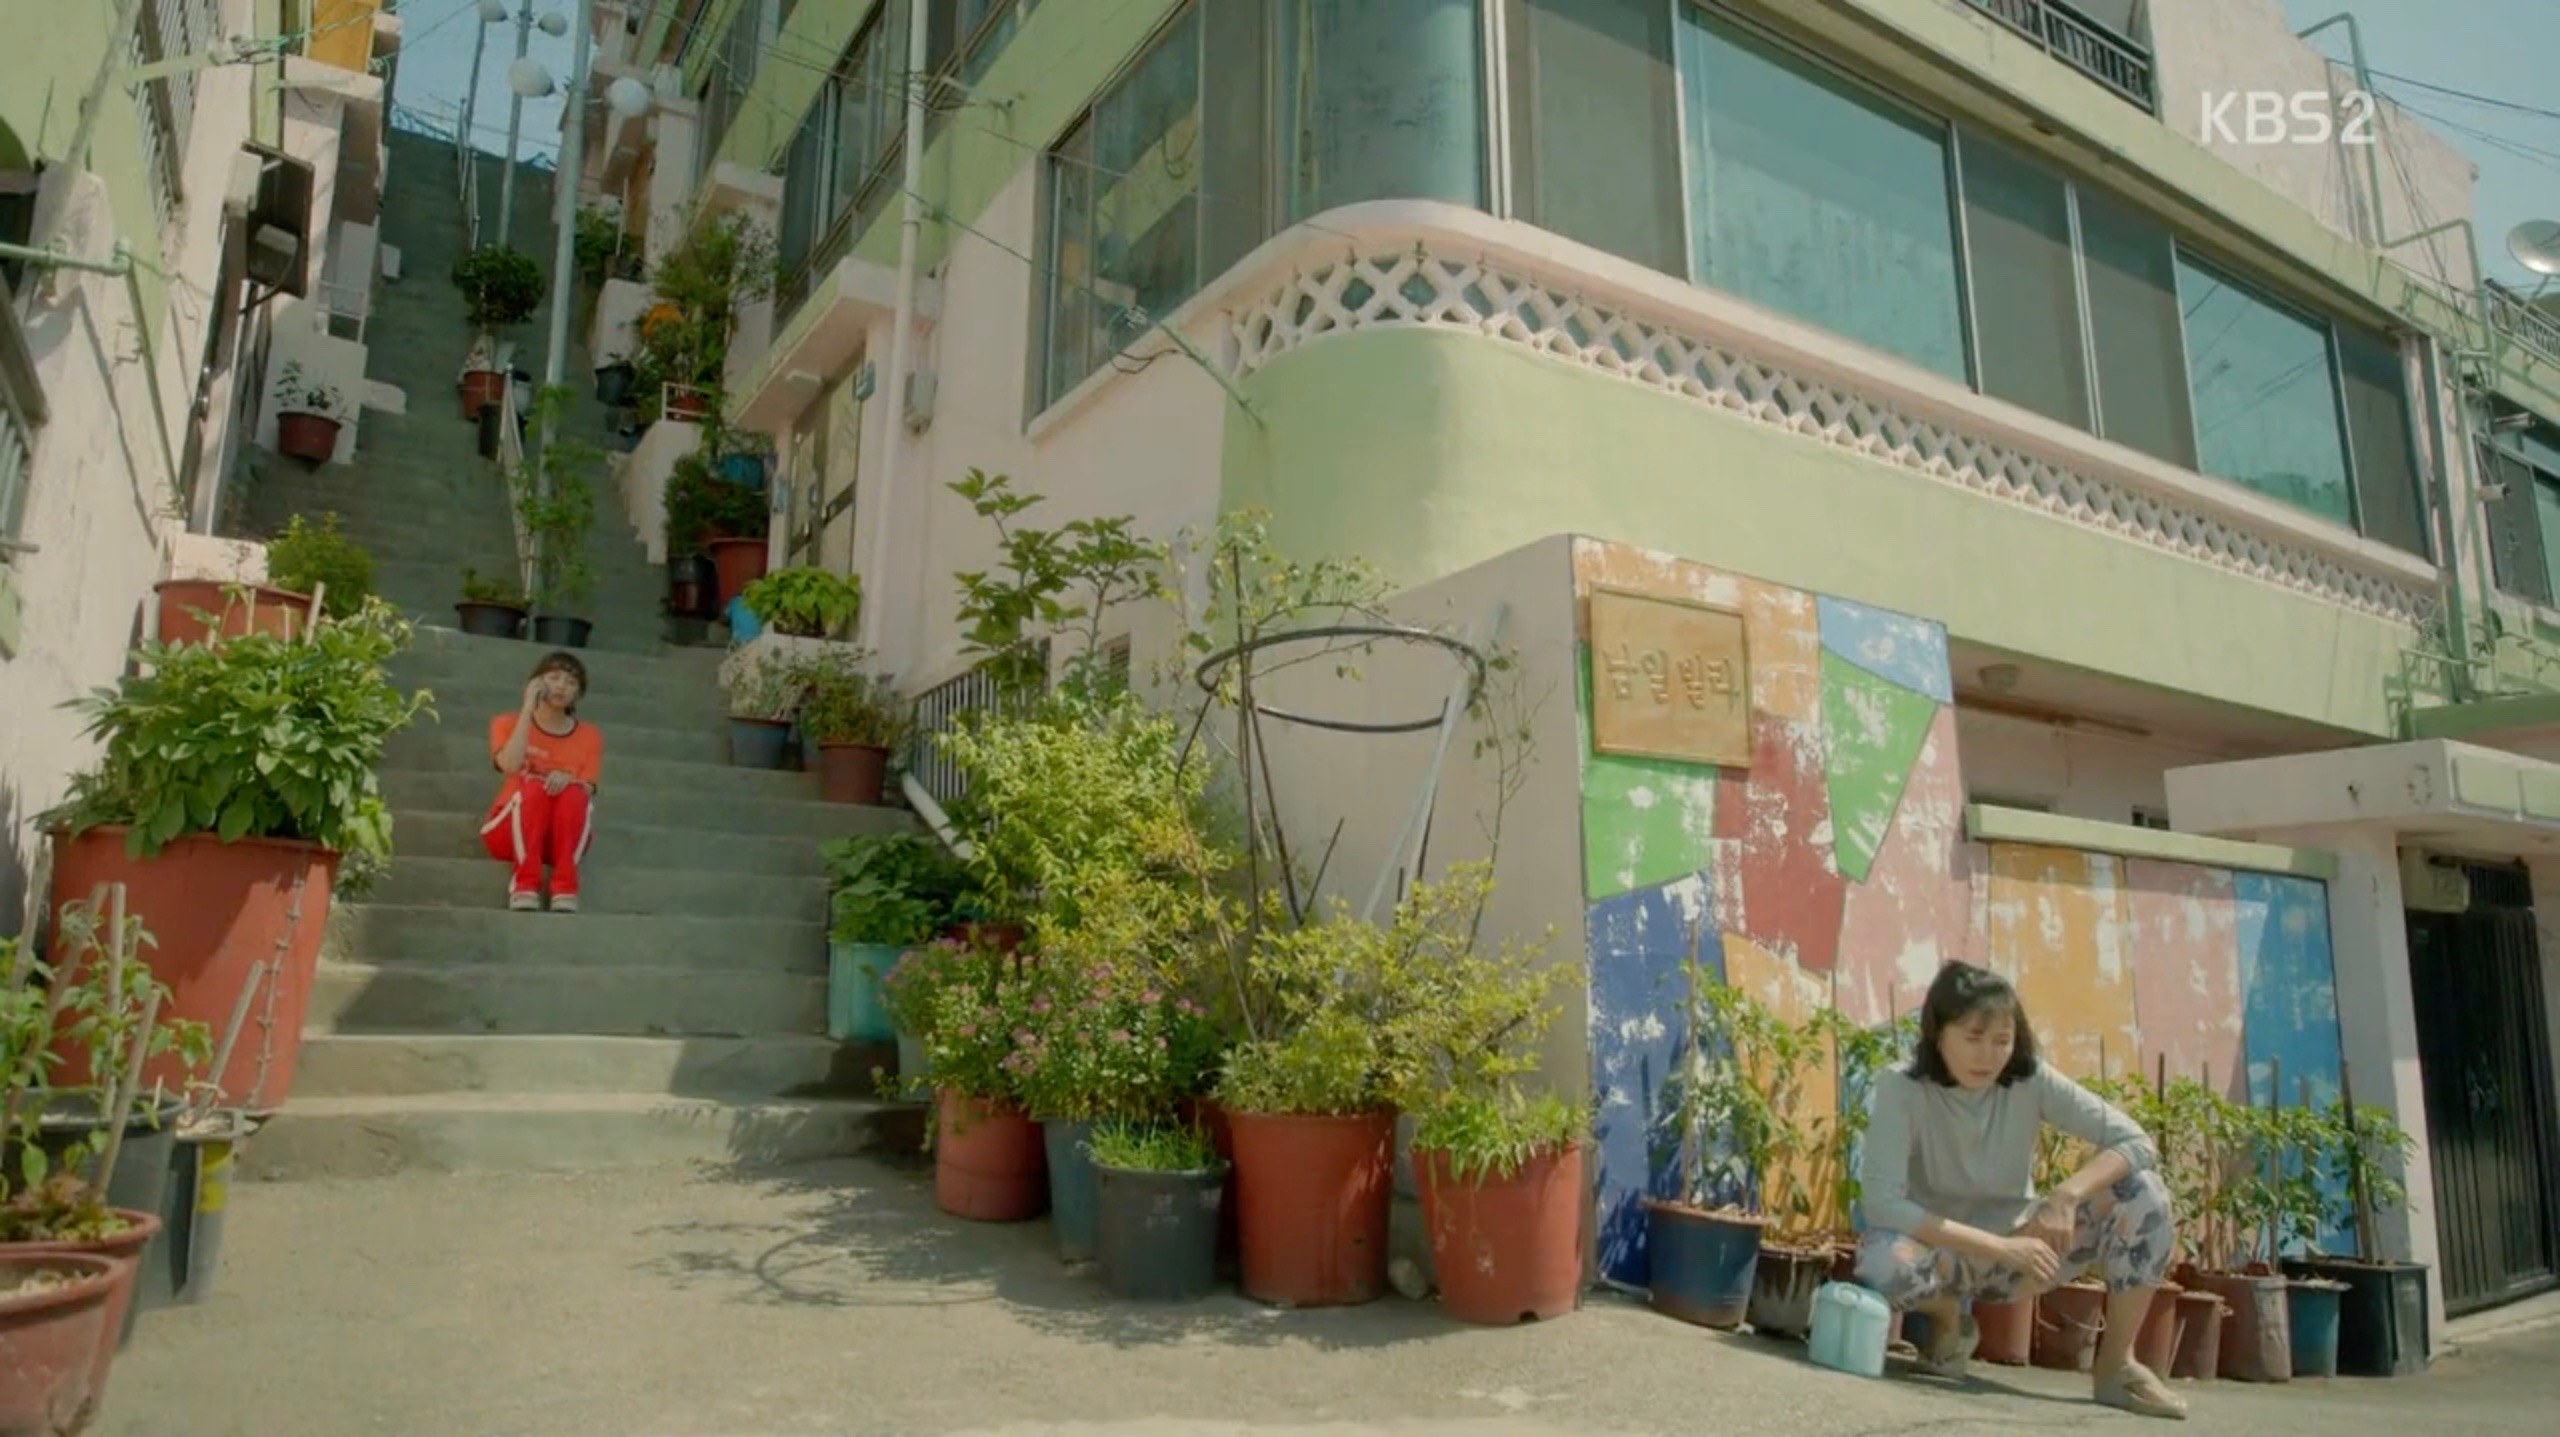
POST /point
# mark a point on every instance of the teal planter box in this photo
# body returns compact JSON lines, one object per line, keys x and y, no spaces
{"x":856,"y":1012}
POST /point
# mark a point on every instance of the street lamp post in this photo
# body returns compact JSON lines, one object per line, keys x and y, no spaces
{"x":521,"y":87}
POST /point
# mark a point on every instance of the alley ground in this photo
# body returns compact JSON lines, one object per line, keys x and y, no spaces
{"x":833,"y":1299}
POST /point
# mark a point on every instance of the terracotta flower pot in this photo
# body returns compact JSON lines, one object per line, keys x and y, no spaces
{"x":216,"y":910}
{"x":2156,"y":1347}
{"x":123,"y":1254}
{"x":687,"y":404}
{"x":49,"y":1339}
{"x":1312,"y":1199}
{"x":740,"y":562}
{"x":988,"y":1162}
{"x":1506,"y":1249}
{"x":2007,"y":1331}
{"x":2068,"y":1321}
{"x":480,"y":389}
{"x":255,"y":609}
{"x":311,"y":438}
{"x":852,"y":772}
{"x":2199,"y":1336}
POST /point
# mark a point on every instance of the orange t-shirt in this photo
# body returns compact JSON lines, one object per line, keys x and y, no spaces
{"x":579,"y":752}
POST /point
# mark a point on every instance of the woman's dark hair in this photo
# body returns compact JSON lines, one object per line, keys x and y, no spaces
{"x":561,"y":661}
{"x":1960,"y":991}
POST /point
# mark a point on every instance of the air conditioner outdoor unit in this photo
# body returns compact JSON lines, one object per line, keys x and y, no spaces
{"x":2427,"y":886}
{"x":279,"y":223}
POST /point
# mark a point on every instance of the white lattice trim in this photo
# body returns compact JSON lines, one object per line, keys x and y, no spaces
{"x":1416,"y":288}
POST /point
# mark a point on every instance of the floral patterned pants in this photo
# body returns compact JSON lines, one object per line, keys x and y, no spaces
{"x":2126,"y":1232}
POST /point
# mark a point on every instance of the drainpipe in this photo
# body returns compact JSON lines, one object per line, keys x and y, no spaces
{"x":2364,"y":82}
{"x":120,"y":265}
{"x":2457,"y":619}
{"x":901,"y":342}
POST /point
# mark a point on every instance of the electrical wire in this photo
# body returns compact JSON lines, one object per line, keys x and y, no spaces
{"x":2491,"y":101}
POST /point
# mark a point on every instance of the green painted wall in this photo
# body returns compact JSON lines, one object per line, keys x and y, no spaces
{"x":789,"y":79}
{"x":1464,"y":448}
{"x":45,"y":72}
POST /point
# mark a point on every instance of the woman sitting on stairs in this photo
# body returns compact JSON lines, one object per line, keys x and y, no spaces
{"x":544,"y":811}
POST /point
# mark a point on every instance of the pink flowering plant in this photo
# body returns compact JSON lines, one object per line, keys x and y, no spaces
{"x":965,"y":1004}
{"x":1106,"y":1040}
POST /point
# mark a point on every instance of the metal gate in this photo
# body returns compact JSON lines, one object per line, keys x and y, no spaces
{"x":2485,"y":1052}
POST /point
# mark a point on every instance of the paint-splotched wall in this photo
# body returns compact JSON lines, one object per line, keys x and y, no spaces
{"x":1835,"y":872}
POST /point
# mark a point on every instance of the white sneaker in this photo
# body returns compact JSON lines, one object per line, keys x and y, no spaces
{"x":526,"y":901}
{"x":564,"y":903}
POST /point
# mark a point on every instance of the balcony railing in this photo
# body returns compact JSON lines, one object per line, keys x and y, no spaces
{"x":2527,"y":324}
{"x":2115,"y":61}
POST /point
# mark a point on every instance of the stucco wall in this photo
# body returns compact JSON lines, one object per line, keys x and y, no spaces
{"x":1834,"y":872}
{"x":2079,"y":773}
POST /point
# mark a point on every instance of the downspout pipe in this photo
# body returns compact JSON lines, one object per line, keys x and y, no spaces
{"x":901,"y":338}
{"x":2453,"y":528}
{"x":2364,"y":82}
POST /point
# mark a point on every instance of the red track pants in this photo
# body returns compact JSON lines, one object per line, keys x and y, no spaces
{"x":528,"y":828}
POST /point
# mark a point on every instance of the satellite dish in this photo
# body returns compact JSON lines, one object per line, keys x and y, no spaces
{"x":2536,"y":246}
{"x":628,"y":97}
{"x":553,"y":24}
{"x":527,"y":78}
{"x":493,"y":12}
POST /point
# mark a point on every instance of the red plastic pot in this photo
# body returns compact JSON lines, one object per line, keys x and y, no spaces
{"x":2068,"y":1321}
{"x":687,"y":404}
{"x":256,"y":609}
{"x":1505,"y":1249}
{"x":988,"y":1161}
{"x":480,"y":389}
{"x":852,"y":772}
{"x":740,"y":562}
{"x":123,"y":1255}
{"x":2007,"y":1331}
{"x":312,"y":438}
{"x":1311,"y":1206}
{"x":215,"y":910}
{"x":2156,"y":1346}
{"x":49,"y":1340}
{"x":2199,"y":1336}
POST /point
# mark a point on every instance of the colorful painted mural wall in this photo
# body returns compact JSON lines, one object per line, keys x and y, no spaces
{"x":1835,"y":871}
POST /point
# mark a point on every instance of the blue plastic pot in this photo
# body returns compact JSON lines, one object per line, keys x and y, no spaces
{"x":743,"y":623}
{"x":856,"y":1010}
{"x":2311,"y":1307}
{"x":758,"y":743}
{"x":1703,"y":1263}
{"x":1075,"y":1190}
{"x":746,"y":470}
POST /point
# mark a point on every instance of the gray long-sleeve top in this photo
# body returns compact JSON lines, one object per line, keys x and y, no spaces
{"x":1970,"y":1158}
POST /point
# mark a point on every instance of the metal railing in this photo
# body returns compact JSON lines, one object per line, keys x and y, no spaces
{"x":511,"y":469}
{"x":939,"y":710}
{"x":2524,"y":322}
{"x":2115,"y":61}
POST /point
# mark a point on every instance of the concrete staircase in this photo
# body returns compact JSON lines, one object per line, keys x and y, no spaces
{"x":681,"y":1015}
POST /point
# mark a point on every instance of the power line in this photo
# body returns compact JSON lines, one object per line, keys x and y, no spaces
{"x":2491,"y":101}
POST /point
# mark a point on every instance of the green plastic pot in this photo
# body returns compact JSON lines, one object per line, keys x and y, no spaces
{"x":856,"y":1010}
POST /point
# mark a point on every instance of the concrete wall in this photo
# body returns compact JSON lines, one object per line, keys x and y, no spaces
{"x":2077,"y":772}
{"x":1834,"y":872}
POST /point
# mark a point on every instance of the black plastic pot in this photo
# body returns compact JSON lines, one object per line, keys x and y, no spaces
{"x":1157,"y":1233}
{"x":68,"y":1123}
{"x":613,"y":385}
{"x":1783,"y":1283}
{"x":562,"y":631}
{"x":2382,"y":1316}
{"x":491,"y":426}
{"x":191,"y":1222}
{"x":490,"y":621}
{"x":693,"y":587}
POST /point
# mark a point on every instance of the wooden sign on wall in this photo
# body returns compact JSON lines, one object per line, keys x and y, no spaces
{"x":1670,"y":679}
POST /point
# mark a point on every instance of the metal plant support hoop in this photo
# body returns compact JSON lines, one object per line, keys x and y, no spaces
{"x":1210,"y":668}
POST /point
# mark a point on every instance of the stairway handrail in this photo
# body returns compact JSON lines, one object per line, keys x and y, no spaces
{"x":511,"y":468}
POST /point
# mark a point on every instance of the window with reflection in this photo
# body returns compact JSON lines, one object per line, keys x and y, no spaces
{"x":1595,"y":150}
{"x":1818,"y":198}
{"x":1377,"y":99}
{"x":2266,"y":398}
{"x":2032,"y":349}
{"x":2382,"y":440}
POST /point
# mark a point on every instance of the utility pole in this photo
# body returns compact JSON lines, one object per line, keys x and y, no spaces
{"x":515,"y":123}
{"x":564,"y":208}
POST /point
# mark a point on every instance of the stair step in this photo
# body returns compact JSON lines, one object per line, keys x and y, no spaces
{"x":549,"y":1132}
{"x":629,"y":845}
{"x":707,"y":744}
{"x":431,"y":936}
{"x":347,"y":1065}
{"x":606,"y":888}
{"x":443,"y":648}
{"x":700,"y":707}
{"x":710,"y":818}
{"x":627,"y":998}
{"x":442,"y":753}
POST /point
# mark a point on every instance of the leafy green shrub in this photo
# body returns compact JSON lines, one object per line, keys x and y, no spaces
{"x":806,"y":602}
{"x":964,"y":1004}
{"x":560,"y":510}
{"x":843,"y":705}
{"x":1494,"y":1135}
{"x":897,"y":889}
{"x":1106,"y":1039}
{"x":503,"y":286}
{"x":702,"y":506}
{"x":598,"y":241}
{"x":255,"y":737}
{"x":477,"y":590}
{"x":1153,"y":1148}
{"x":302,"y":559}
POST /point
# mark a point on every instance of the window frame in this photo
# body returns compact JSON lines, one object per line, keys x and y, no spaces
{"x":2264,"y":294}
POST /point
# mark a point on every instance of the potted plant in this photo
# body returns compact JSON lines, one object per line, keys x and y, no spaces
{"x":2067,"y":1318}
{"x":709,"y":516}
{"x":1161,"y":1187}
{"x":702,"y":284}
{"x":887,"y":893}
{"x":969,"y":1001}
{"x":489,"y":609}
{"x":765,"y":690}
{"x":805,"y":602}
{"x":2298,"y":1140}
{"x":232,"y":782}
{"x":2382,"y":1320}
{"x":2235,"y":1247}
{"x":501,"y":286}
{"x":858,"y":722}
{"x":556,"y":507}
{"x":309,"y":414}
{"x":202,"y":611}
{"x":53,"y":1310}
{"x":321,"y":564}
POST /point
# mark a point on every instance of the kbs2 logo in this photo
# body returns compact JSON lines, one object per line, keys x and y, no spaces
{"x":2274,"y":117}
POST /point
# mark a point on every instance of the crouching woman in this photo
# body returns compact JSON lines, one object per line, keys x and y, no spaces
{"x":1948,"y":1188}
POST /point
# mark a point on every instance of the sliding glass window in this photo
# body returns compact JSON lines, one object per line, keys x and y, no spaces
{"x":1595,"y":101}
{"x":2266,"y":395}
{"x":1817,"y":198}
{"x":2136,"y":330}
{"x":1378,"y":100}
{"x":2032,"y":346}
